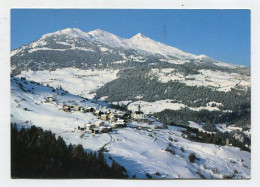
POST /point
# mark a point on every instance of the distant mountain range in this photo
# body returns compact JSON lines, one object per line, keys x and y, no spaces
{"x":73,"y":47}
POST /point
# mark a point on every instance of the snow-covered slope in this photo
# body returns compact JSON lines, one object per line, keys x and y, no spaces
{"x":163,"y":153}
{"x":75,"y":81}
{"x":160,"y":105}
{"x":141,"y":42}
{"x":221,"y":81}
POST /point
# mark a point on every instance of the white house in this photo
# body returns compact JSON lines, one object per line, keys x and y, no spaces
{"x":120,"y":123}
{"x":99,"y":123}
{"x":138,"y":115}
{"x":66,"y":108}
{"x":113,"y":125}
{"x":103,"y":117}
{"x":81,"y":109}
{"x":96,"y":112}
{"x":89,"y":126}
{"x":104,"y":129}
{"x":95,"y":130}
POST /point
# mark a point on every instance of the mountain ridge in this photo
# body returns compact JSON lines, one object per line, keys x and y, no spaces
{"x":135,"y":42}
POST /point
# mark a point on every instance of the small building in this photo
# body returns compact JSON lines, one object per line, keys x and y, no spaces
{"x":103,"y":117}
{"x":88,"y":109}
{"x":120,"y":123}
{"x":89,"y":126}
{"x":96,"y":113}
{"x":66,"y":108}
{"x":50,"y":99}
{"x":227,"y":142}
{"x":99,"y":123}
{"x":95,"y":130}
{"x":104,"y":129}
{"x":81,"y":109}
{"x":82,"y":128}
{"x":74,"y":107}
{"x":113,"y":125}
{"x":137,"y":115}
{"x":110,"y":115}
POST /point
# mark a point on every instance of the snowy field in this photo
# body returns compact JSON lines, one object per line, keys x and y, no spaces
{"x":160,"y":105}
{"x":76,"y":81}
{"x":163,"y":153}
{"x":221,"y":81}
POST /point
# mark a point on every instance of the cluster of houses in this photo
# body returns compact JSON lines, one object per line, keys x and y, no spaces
{"x":97,"y":127}
{"x":113,"y":118}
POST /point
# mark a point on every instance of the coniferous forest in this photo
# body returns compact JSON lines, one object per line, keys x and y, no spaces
{"x":36,"y":153}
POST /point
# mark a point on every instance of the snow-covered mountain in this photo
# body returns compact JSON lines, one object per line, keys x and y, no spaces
{"x":138,"y":70}
{"x":138,"y":42}
{"x":190,"y":102}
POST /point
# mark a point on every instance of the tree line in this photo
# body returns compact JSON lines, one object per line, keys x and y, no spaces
{"x":37,"y":153}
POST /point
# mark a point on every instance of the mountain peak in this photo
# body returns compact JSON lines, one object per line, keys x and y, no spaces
{"x":138,"y":36}
{"x":99,"y":32}
{"x":69,"y":30}
{"x":72,"y":32}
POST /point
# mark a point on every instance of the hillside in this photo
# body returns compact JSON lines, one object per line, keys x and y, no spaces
{"x":145,"y":148}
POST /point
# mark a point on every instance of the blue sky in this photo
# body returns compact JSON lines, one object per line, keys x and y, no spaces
{"x":221,"y":34}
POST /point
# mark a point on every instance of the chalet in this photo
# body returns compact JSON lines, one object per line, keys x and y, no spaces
{"x":110,"y":115}
{"x":50,"y":99}
{"x":74,"y":107}
{"x":113,"y":125}
{"x":112,"y":119}
{"x":137,"y":115}
{"x":81,"y":109}
{"x":88,"y":109}
{"x":89,"y":126}
{"x":120,"y":123}
{"x":96,"y":113}
{"x":81,"y":128}
{"x":103,"y":117}
{"x":66,"y":108}
{"x":104,"y":129}
{"x":99,"y":123}
{"x":95,"y":130}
